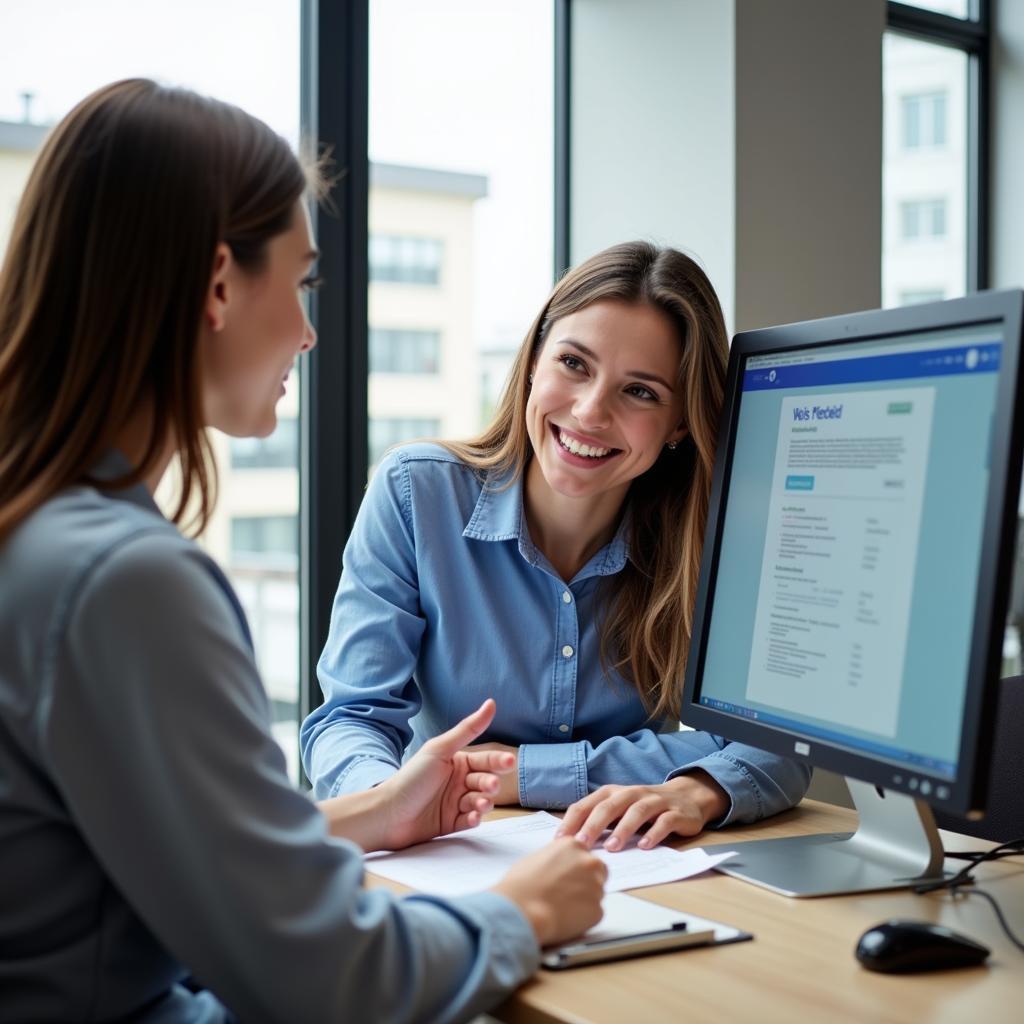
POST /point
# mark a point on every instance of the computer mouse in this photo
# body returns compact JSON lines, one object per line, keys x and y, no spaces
{"x":901,"y":947}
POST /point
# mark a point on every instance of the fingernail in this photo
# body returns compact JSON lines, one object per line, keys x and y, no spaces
{"x":561,"y":832}
{"x":644,"y":843}
{"x":613,"y":843}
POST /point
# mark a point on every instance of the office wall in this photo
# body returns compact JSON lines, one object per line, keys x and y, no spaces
{"x":748,"y":133}
{"x":652,"y":129}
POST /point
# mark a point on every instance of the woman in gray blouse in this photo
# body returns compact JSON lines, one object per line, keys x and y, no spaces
{"x":152,"y":288}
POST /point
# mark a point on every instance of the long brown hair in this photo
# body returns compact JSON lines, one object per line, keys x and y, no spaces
{"x":105,"y":276}
{"x":648,"y":610}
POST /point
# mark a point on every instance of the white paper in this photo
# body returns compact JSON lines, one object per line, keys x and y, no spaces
{"x":478,"y":858}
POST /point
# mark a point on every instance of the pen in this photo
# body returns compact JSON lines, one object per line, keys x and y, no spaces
{"x":619,"y":948}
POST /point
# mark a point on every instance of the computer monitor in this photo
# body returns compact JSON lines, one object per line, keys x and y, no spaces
{"x":856,"y":568}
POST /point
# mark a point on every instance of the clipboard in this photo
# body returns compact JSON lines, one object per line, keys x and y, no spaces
{"x":633,"y":927}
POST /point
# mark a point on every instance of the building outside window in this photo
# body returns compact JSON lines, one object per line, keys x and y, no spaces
{"x":405,"y":260}
{"x":924,"y":120}
{"x":923,"y":218}
{"x":404,"y":350}
{"x":278,"y":451}
{"x":386,"y":432}
{"x":925,"y":235}
{"x":461,"y":206}
{"x":273,"y":540}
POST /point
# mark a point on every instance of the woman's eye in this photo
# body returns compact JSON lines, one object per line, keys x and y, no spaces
{"x":638,"y":391}
{"x":311,"y":283}
{"x":571,"y":362}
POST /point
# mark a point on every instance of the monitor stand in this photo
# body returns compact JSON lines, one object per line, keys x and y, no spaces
{"x":896,"y":845}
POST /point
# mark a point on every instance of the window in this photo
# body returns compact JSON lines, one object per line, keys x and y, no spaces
{"x":460,"y":206}
{"x":384,"y":433}
{"x":923,"y":218}
{"x":924,"y":120}
{"x":278,"y":451}
{"x":404,"y":350}
{"x":270,"y":539}
{"x":927,"y":236}
{"x":62,"y":50}
{"x":405,"y":260}
{"x":913,"y":296}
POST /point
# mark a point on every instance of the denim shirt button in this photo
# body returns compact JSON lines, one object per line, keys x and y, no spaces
{"x":563,"y":728}
{"x":566,"y":651}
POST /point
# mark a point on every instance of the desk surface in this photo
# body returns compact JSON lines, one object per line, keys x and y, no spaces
{"x":800,"y":967}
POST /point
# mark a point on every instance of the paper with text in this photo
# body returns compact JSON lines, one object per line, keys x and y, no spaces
{"x":478,"y":858}
{"x":837,"y":575}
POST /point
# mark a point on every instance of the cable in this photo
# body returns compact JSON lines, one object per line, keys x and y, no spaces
{"x":963,"y":877}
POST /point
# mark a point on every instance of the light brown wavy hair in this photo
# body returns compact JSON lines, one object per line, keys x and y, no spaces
{"x":647,"y":609}
{"x":106,"y":274}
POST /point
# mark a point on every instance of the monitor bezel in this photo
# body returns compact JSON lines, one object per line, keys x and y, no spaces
{"x":966,"y":793}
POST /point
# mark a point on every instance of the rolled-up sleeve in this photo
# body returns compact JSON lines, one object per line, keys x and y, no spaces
{"x":155,"y":728}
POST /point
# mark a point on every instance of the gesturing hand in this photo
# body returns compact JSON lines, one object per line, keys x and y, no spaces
{"x":443,"y":788}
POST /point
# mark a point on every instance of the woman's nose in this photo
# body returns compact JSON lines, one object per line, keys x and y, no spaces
{"x":591,"y":409}
{"x":308,"y":337}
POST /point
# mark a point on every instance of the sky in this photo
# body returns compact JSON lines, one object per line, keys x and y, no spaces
{"x":454,"y":84}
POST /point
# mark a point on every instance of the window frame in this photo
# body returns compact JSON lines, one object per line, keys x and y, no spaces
{"x":972,"y":36}
{"x":333,"y":416}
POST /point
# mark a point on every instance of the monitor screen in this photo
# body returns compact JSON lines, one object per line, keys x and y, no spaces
{"x":857,"y":554}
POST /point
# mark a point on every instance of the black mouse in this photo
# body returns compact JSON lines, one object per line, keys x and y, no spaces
{"x":900,"y":947}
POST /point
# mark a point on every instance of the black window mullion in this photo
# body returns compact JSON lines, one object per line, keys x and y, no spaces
{"x":333,"y":420}
{"x":563,"y":142}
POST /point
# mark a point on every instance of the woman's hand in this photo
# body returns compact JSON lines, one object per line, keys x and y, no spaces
{"x":558,"y":888}
{"x":443,"y":788}
{"x":508,"y":785}
{"x":683,"y":806}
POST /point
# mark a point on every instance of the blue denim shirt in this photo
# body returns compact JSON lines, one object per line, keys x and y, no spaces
{"x":444,"y":601}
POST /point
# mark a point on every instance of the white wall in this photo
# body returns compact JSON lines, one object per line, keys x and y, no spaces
{"x":651,"y":129}
{"x":746,"y":132}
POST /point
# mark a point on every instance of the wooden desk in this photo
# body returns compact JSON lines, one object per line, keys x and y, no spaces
{"x":800,"y":968}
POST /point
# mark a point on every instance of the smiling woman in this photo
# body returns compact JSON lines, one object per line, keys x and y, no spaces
{"x":552,"y":563}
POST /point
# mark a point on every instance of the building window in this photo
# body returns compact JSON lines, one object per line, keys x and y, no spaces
{"x":924,"y":120}
{"x":913,"y":296}
{"x":266,"y":540}
{"x":386,"y":432}
{"x":405,"y":260}
{"x":923,"y":218}
{"x":278,"y":451}
{"x":404,"y":350}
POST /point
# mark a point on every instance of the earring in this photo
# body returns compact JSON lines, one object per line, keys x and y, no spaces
{"x":673,"y":445}
{"x":529,"y":379}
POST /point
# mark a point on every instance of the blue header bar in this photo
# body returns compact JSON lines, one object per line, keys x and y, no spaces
{"x":937,"y":362}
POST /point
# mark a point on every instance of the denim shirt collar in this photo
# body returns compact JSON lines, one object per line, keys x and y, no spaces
{"x":500,"y":515}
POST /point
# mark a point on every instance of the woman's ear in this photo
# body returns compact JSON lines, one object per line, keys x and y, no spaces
{"x":218,"y":295}
{"x":678,"y":434}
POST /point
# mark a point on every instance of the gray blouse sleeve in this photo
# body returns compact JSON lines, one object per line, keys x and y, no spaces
{"x":155,"y":726}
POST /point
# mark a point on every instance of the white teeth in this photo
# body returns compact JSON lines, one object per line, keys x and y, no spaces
{"x":572,"y":445}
